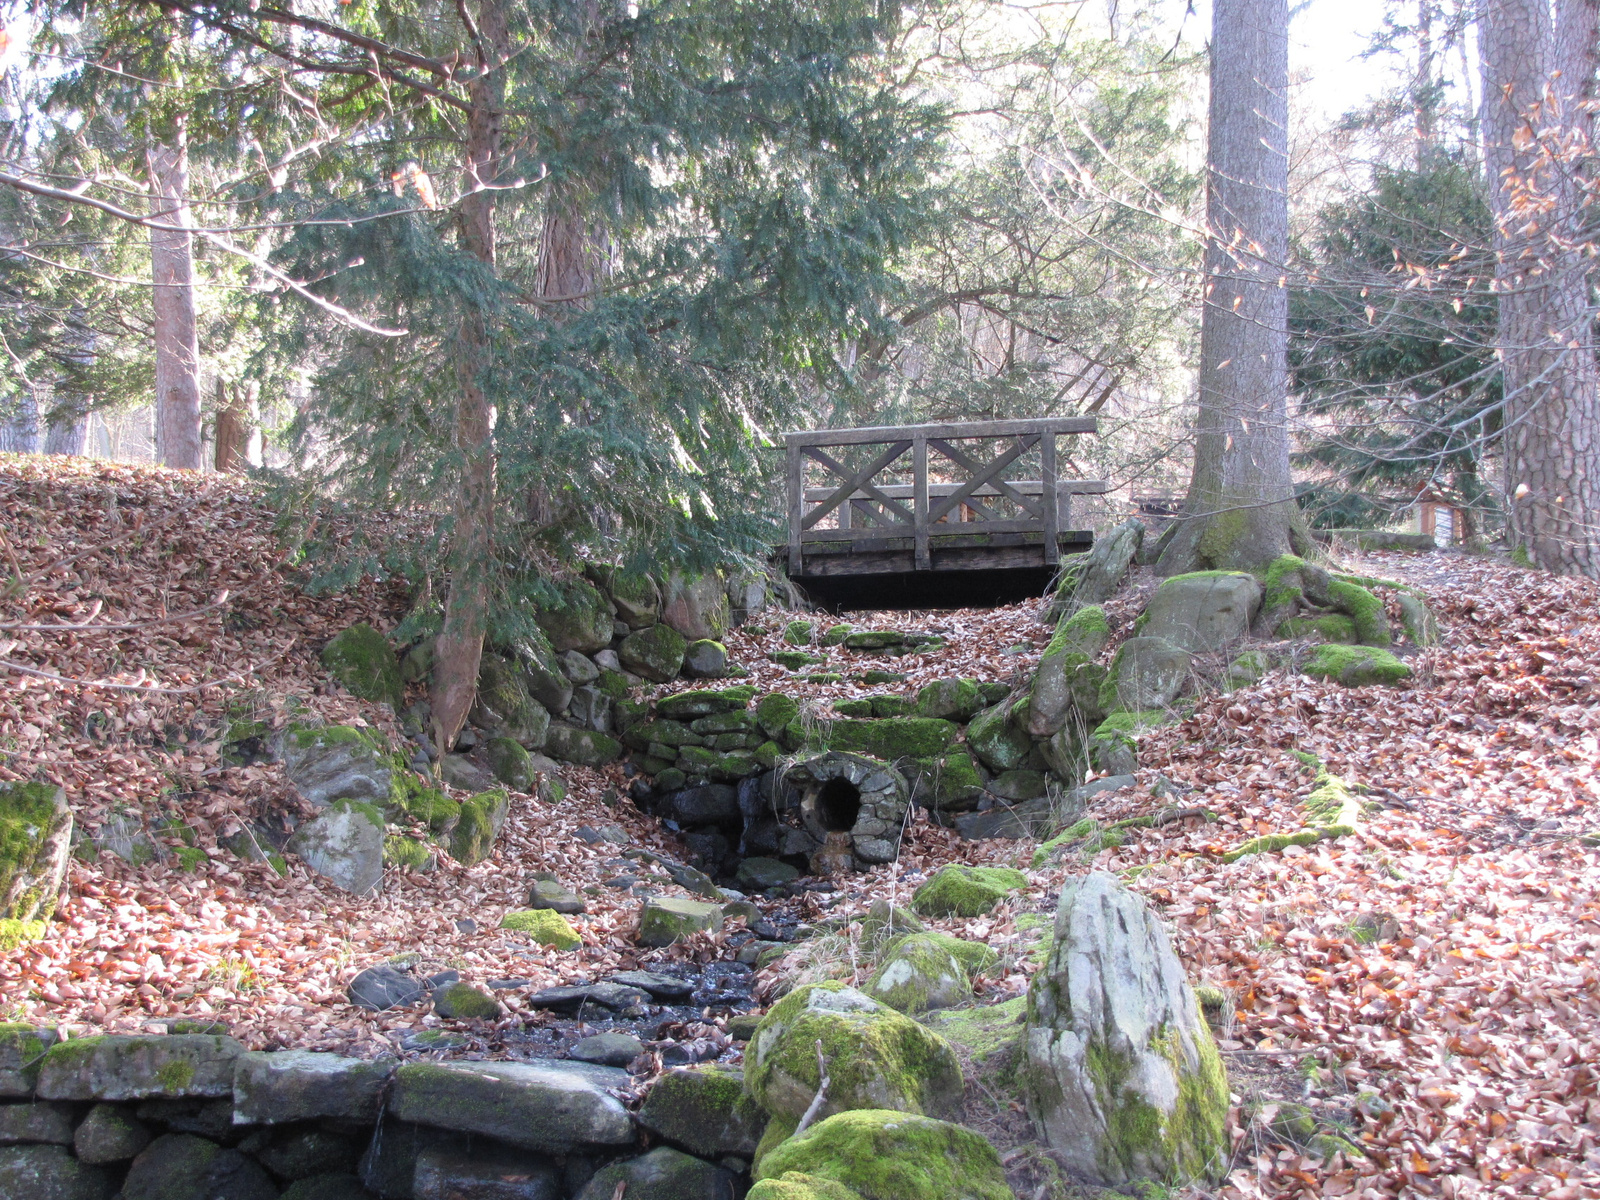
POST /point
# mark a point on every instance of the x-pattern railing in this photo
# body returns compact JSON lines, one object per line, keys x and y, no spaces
{"x":865,"y":507}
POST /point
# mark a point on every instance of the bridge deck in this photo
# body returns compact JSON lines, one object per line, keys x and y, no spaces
{"x":890,"y":526}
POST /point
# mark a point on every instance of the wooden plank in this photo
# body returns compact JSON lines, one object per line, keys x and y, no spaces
{"x":855,"y":481}
{"x":1028,"y":487}
{"x":937,"y":534}
{"x":983,"y":474}
{"x":973,"y":558}
{"x":919,"y":476}
{"x":1051,"y":501}
{"x":797,"y":505}
{"x":953,"y":429}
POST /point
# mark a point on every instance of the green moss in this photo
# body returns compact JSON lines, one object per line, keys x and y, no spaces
{"x":406,"y":852}
{"x":835,"y":635}
{"x":775,"y":712}
{"x":1356,"y":666}
{"x":778,"y":1131}
{"x":987,"y":1033}
{"x":362,"y":660}
{"x":1365,"y":610}
{"x":798,"y":633}
{"x":888,"y":738}
{"x":472,"y":840}
{"x":894,"y":1156}
{"x":794,"y":660}
{"x":957,"y":890}
{"x":1129,"y":722}
{"x":1076,"y":832}
{"x":949,"y":699}
{"x":1335,"y":627}
{"x":15,"y":933}
{"x":30,"y":813}
{"x":278,"y":863}
{"x":853,"y":708}
{"x":917,"y":973}
{"x":463,"y":1002}
{"x":796,"y":1185}
{"x":176,"y":1075}
{"x":543,"y":925}
{"x":190,"y":858}
{"x":975,"y":957}
{"x":878,"y":677}
{"x":1281,"y":581}
{"x":1332,"y":810}
{"x":1084,"y":628}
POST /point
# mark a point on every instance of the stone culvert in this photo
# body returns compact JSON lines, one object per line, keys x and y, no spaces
{"x":855,"y":795}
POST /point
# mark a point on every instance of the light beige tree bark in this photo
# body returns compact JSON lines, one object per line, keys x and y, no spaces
{"x":177,"y":343}
{"x":1538,"y":78}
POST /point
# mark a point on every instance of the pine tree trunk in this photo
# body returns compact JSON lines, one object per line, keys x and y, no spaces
{"x":176,"y":338}
{"x":19,"y":429}
{"x":1240,"y":510}
{"x":1537,"y":73}
{"x":459,"y":649}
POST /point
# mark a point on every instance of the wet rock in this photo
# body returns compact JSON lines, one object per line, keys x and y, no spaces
{"x":109,"y":1134}
{"x":572,"y":999}
{"x":536,"y":1106}
{"x":110,"y":1067}
{"x":485,"y":1173}
{"x":668,"y":989}
{"x":664,"y":919}
{"x":300,"y":1085}
{"x":663,"y":1174}
{"x":607,"y":1049}
{"x":763,"y":873}
{"x":463,"y":1002}
{"x":180,"y":1166}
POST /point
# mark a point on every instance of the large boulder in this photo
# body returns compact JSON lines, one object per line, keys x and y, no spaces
{"x":504,"y":706}
{"x":1068,"y":680}
{"x":362,"y":660}
{"x":272,"y":1088}
{"x":482,"y":818}
{"x":656,"y":653}
{"x":663,"y":1174}
{"x":548,"y":1105}
{"x":704,"y":1110}
{"x":111,"y":1067}
{"x":996,"y":740}
{"x":35,"y":839}
{"x":1202,"y":611}
{"x":337,"y":762}
{"x":1147,"y":673}
{"x":343,"y":844}
{"x":1093,"y":579}
{"x":180,"y":1166}
{"x":50,"y":1173}
{"x":919,"y":974}
{"x":887,"y":1155}
{"x":583,"y":747}
{"x":696,"y":607}
{"x":876,"y":1057}
{"x":578,"y":619}
{"x":1123,"y":1079}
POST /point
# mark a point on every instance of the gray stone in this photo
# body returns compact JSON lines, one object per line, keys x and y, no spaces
{"x":50,"y":1173}
{"x":109,"y":1134}
{"x":578,"y":667}
{"x":552,"y":893}
{"x":709,"y":804}
{"x":123,"y":834}
{"x":1202,"y":612}
{"x":485,"y":1173}
{"x":765,"y":873}
{"x":1115,"y":1041}
{"x":918,"y":974}
{"x":212,"y":1119}
{"x":336,"y":762}
{"x":41,"y":1122}
{"x":995,"y":741}
{"x":541,"y":672}
{"x":112,"y":1067}
{"x":584,"y":747}
{"x":1031,"y":819}
{"x":665,"y":919}
{"x":344,"y":845}
{"x":655,"y":653}
{"x":607,"y":1049}
{"x":511,"y":764}
{"x":461,"y":772}
{"x":301,"y":1153}
{"x":830,"y":783}
{"x":705,"y":1111}
{"x":1018,"y":785}
{"x":328,"y":1187}
{"x":591,"y":709}
{"x":580,"y":619}
{"x":949,"y":699}
{"x":607,"y":660}
{"x":180,"y":1166}
{"x":663,"y":1174}
{"x":22,"y":1050}
{"x":1147,"y":673}
{"x":705,"y":659}
{"x":543,"y":1106}
{"x":668,"y":989}
{"x":504,"y":706}
{"x":384,"y":986}
{"x":696,"y":607}
{"x":575,"y":998}
{"x":1099,"y":574}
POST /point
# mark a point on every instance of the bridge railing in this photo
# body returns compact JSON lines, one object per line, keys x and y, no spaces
{"x":959,"y":487}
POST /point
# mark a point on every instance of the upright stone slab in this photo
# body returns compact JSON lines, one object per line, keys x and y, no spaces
{"x":111,"y":1067}
{"x":1123,"y":1079}
{"x":344,"y":845}
{"x":1204,"y":610}
{"x":1147,"y":673}
{"x":337,"y":762}
{"x":546,"y":1106}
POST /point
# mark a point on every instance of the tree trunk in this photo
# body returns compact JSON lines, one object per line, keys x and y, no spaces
{"x":1537,"y":74}
{"x":172,"y":272}
{"x":460,"y":645}
{"x":1240,"y":509}
{"x":237,"y":417}
{"x":19,"y":428}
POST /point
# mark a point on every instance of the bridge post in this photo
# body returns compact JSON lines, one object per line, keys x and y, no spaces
{"x":1049,"y":501}
{"x":919,"y":467}
{"x":797,"y":504}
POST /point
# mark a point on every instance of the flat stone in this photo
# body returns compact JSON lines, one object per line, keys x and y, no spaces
{"x":551,"y":893}
{"x":607,"y":1049}
{"x":573,"y":998}
{"x":546,"y":1106}
{"x":485,"y":1173}
{"x":299,"y":1085}
{"x":41,"y":1122}
{"x":1028,"y":820}
{"x":665,"y":919}
{"x":666,"y":988}
{"x":463,"y":1002}
{"x":50,"y":1173}
{"x":385,"y":986}
{"x":110,"y":1067}
{"x":766,"y":873}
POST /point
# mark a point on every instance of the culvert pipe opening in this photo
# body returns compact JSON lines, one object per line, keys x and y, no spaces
{"x":838,"y":805}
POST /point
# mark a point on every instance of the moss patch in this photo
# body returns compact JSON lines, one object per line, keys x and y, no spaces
{"x":1332,"y":810}
{"x":1356,"y":666}
{"x":15,"y":933}
{"x":406,"y":852}
{"x":962,"y":891}
{"x":35,"y":825}
{"x":1335,"y":627}
{"x":362,"y":660}
{"x":543,"y":925}
{"x":893,"y":1156}
{"x":1364,"y":609}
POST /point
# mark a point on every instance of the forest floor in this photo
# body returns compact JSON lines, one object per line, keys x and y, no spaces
{"x":1427,"y":983}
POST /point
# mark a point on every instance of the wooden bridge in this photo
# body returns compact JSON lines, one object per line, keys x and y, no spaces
{"x":886,"y":524}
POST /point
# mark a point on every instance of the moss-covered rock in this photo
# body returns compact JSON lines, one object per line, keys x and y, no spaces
{"x":957,"y":890}
{"x":510,"y":763}
{"x":796,"y":660}
{"x":696,"y":606}
{"x":463,"y":1002}
{"x":885,"y":921}
{"x":1356,"y":666}
{"x":774,"y":713}
{"x":876,"y":1057}
{"x":705,"y":659}
{"x":1113,"y":746}
{"x":834,"y":635}
{"x":482,"y":817}
{"x":1365,"y":611}
{"x":997,"y":741}
{"x":1123,"y":1078}
{"x":949,"y":783}
{"x":1417,"y":619}
{"x":110,"y":1067}
{"x":577,"y":618}
{"x":991,"y":1034}
{"x":704,"y":702}
{"x":1334,"y":627}
{"x":796,"y":1185}
{"x":1246,"y":669}
{"x":1068,"y":679}
{"x":665,"y":919}
{"x":655,"y":652}
{"x":798,"y":633}
{"x":407,"y":852}
{"x":853,"y":708}
{"x":35,"y":839}
{"x":543,"y":925}
{"x":664,"y":1172}
{"x":1331,"y":810}
{"x":949,"y":699}
{"x":918,"y":973}
{"x":585,"y":747}
{"x":874,"y":639}
{"x":364,"y":663}
{"x":705,"y":1110}
{"x":504,"y":705}
{"x":886,"y":1155}
{"x":1147,"y":672}
{"x":22,"y":1049}
{"x":634,"y":595}
{"x":888,"y":739}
